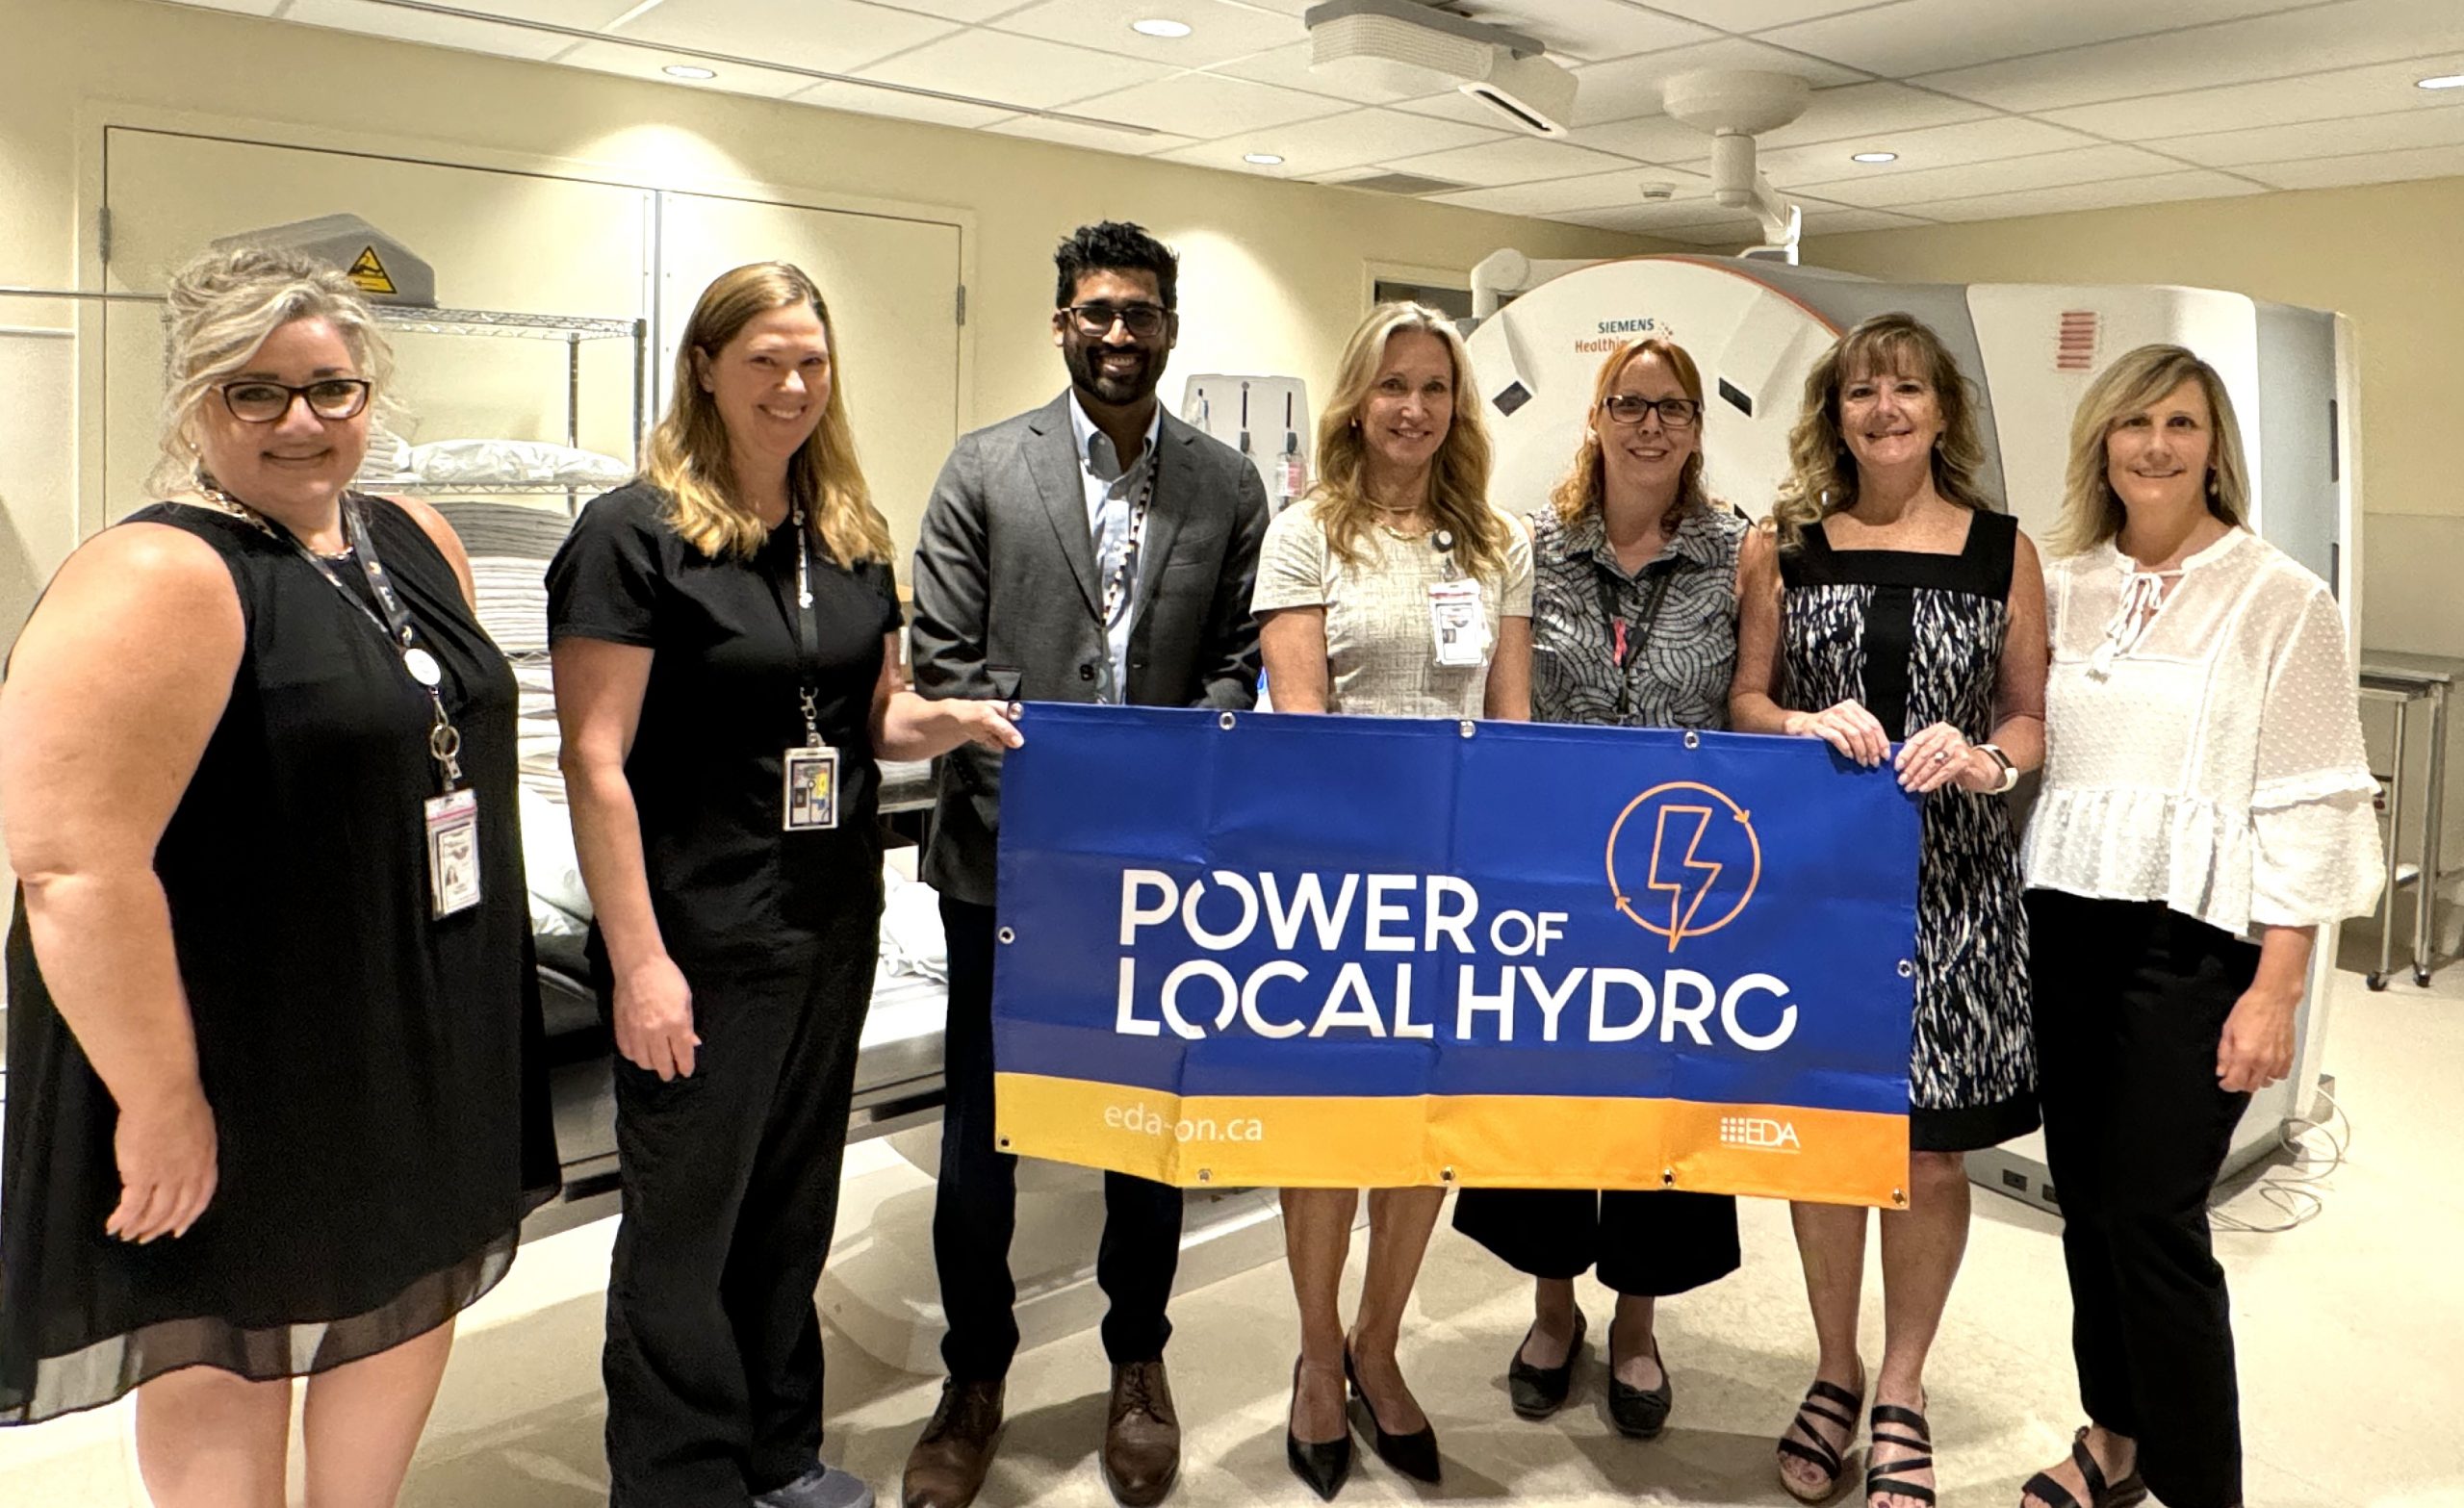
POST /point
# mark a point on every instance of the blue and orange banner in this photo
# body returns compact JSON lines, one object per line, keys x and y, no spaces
{"x":1250,"y":949}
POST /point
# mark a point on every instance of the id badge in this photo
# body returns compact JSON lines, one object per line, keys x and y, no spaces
{"x":452,"y":852}
{"x":1458,"y":623}
{"x":811,"y":801}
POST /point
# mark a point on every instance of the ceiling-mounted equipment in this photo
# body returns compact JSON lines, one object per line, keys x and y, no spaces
{"x":1399,"y":50}
{"x":384,"y":269}
{"x":1735,"y":105}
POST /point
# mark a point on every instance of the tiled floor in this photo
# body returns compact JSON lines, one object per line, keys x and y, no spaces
{"x":2352,"y":1329}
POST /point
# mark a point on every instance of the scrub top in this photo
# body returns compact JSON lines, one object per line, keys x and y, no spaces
{"x":736,"y":897}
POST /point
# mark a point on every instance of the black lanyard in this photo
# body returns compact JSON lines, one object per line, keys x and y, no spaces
{"x":805,"y":625}
{"x":1637,"y":634}
{"x":444,"y":741}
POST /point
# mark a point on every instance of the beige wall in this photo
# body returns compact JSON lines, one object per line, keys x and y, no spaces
{"x":1273,"y":273}
{"x":2387,"y":256}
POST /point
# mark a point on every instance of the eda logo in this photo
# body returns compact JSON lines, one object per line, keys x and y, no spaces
{"x":1683,"y":859}
{"x":1759,"y":1134}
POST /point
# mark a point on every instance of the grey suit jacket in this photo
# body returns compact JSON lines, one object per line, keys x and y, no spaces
{"x":1006,"y":600}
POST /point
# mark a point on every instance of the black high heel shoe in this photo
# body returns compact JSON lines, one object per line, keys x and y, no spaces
{"x":1414,"y":1454}
{"x":1322,"y":1463}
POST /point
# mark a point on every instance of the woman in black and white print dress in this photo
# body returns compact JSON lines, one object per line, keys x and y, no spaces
{"x":1886,"y":603}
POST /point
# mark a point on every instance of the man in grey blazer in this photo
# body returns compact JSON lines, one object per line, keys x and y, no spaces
{"x":1096,"y":549}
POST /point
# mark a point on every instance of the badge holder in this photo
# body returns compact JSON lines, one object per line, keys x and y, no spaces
{"x":1458,"y":621}
{"x":453,"y":819}
{"x":809,"y":798}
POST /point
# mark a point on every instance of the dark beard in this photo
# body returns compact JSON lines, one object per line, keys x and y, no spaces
{"x":1084,"y":362}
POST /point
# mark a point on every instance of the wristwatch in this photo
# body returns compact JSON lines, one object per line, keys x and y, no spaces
{"x":2010,"y":771}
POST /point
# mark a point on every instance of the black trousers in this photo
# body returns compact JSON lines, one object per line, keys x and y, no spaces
{"x":1646,"y":1243}
{"x":975,"y":1209}
{"x":731,"y":1191}
{"x":2130,"y":1004}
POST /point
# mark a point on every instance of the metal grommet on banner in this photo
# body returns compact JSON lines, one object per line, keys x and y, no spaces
{"x":1206,"y":1175}
{"x":1467,"y":728}
{"x":1446,"y":1175}
{"x":1907,"y":970}
{"x":1225,"y":722}
{"x":1005,"y":1143}
{"x":1693,"y":739}
{"x":1668,"y":1178}
{"x":1007,"y":936}
{"x":1899,"y":1197}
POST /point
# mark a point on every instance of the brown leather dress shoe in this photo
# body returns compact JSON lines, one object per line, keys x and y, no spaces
{"x":1142,"y":1437}
{"x":946,"y":1467}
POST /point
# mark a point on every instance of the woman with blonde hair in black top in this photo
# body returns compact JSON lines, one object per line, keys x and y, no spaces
{"x":725,"y":645}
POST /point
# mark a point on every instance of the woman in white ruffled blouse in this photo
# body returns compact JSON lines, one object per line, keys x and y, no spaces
{"x":2206,"y":809}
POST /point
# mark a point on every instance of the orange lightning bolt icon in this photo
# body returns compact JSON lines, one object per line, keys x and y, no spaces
{"x":1705,"y":873}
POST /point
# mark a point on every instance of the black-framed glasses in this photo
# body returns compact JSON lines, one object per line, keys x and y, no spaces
{"x":1629,"y":408}
{"x":254,"y":401}
{"x":1094,"y":321}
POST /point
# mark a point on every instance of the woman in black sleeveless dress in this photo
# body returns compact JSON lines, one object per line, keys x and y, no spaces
{"x":270,"y":1113}
{"x":1886,"y":604}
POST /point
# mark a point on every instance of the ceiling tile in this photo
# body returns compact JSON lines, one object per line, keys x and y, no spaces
{"x":1285,"y":68}
{"x":1310,"y":148}
{"x":2314,"y":96}
{"x":831,"y":35}
{"x":1935,"y":146}
{"x":2045,"y":171}
{"x":2313,"y":40}
{"x":1853,"y":110}
{"x":437,"y":30}
{"x":592,"y":14}
{"x":1094,"y":138}
{"x":2163,"y":188}
{"x":1646,"y":139}
{"x":1847,"y":223}
{"x":1631,"y":86}
{"x":1515,"y":160}
{"x":1915,"y":36}
{"x":235,"y":7}
{"x":1756,"y":15}
{"x":1012,"y":70}
{"x":1205,"y":105}
{"x":2404,"y":131}
{"x":971,"y":10}
{"x":899,"y":105}
{"x":1591,"y":191}
{"x":1218,"y":31}
{"x":1586,"y":31}
{"x":635,"y":62}
{"x":2329,"y":172}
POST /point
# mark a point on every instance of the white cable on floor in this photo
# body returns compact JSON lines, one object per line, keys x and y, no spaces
{"x":2298,"y":1192}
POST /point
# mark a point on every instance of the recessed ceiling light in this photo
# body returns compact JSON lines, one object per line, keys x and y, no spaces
{"x":1160,"y":28}
{"x":687,"y":71}
{"x":1262,"y":159}
{"x":2443,"y":81}
{"x":1874,"y":157}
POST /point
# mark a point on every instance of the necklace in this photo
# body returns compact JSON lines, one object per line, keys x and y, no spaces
{"x":223,"y":502}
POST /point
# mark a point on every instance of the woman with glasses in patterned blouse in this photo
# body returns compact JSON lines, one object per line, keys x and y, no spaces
{"x":1634,"y":624}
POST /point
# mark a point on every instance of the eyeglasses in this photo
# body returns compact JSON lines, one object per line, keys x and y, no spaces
{"x":1094,"y":321}
{"x":1629,"y":408}
{"x":253,"y":400}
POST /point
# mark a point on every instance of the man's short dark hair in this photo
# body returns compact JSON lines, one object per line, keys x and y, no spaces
{"x":1115,"y":246}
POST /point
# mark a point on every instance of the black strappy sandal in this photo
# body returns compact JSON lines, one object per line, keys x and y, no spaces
{"x":2128,"y":1493}
{"x":1830,"y":1401}
{"x":1918,"y":1436}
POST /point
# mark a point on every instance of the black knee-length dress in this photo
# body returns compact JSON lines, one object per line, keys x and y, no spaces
{"x":376,"y":1075}
{"x":1916,"y":637}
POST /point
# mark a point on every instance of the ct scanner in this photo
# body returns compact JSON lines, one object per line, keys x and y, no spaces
{"x":1755,"y":326}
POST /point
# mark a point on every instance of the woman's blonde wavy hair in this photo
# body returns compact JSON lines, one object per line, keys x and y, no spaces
{"x":1459,"y":474}
{"x":1822,"y":472}
{"x":689,"y":459}
{"x":1579,"y":490}
{"x":222,"y":307}
{"x":2091,"y":512}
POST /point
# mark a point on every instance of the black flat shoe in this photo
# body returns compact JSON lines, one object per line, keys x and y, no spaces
{"x":1322,"y":1463}
{"x":1640,"y":1413}
{"x":2128,"y":1493}
{"x":1538,"y":1391}
{"x":1414,"y":1454}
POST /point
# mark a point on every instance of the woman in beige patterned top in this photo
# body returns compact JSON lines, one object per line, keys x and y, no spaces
{"x":1393,"y":589}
